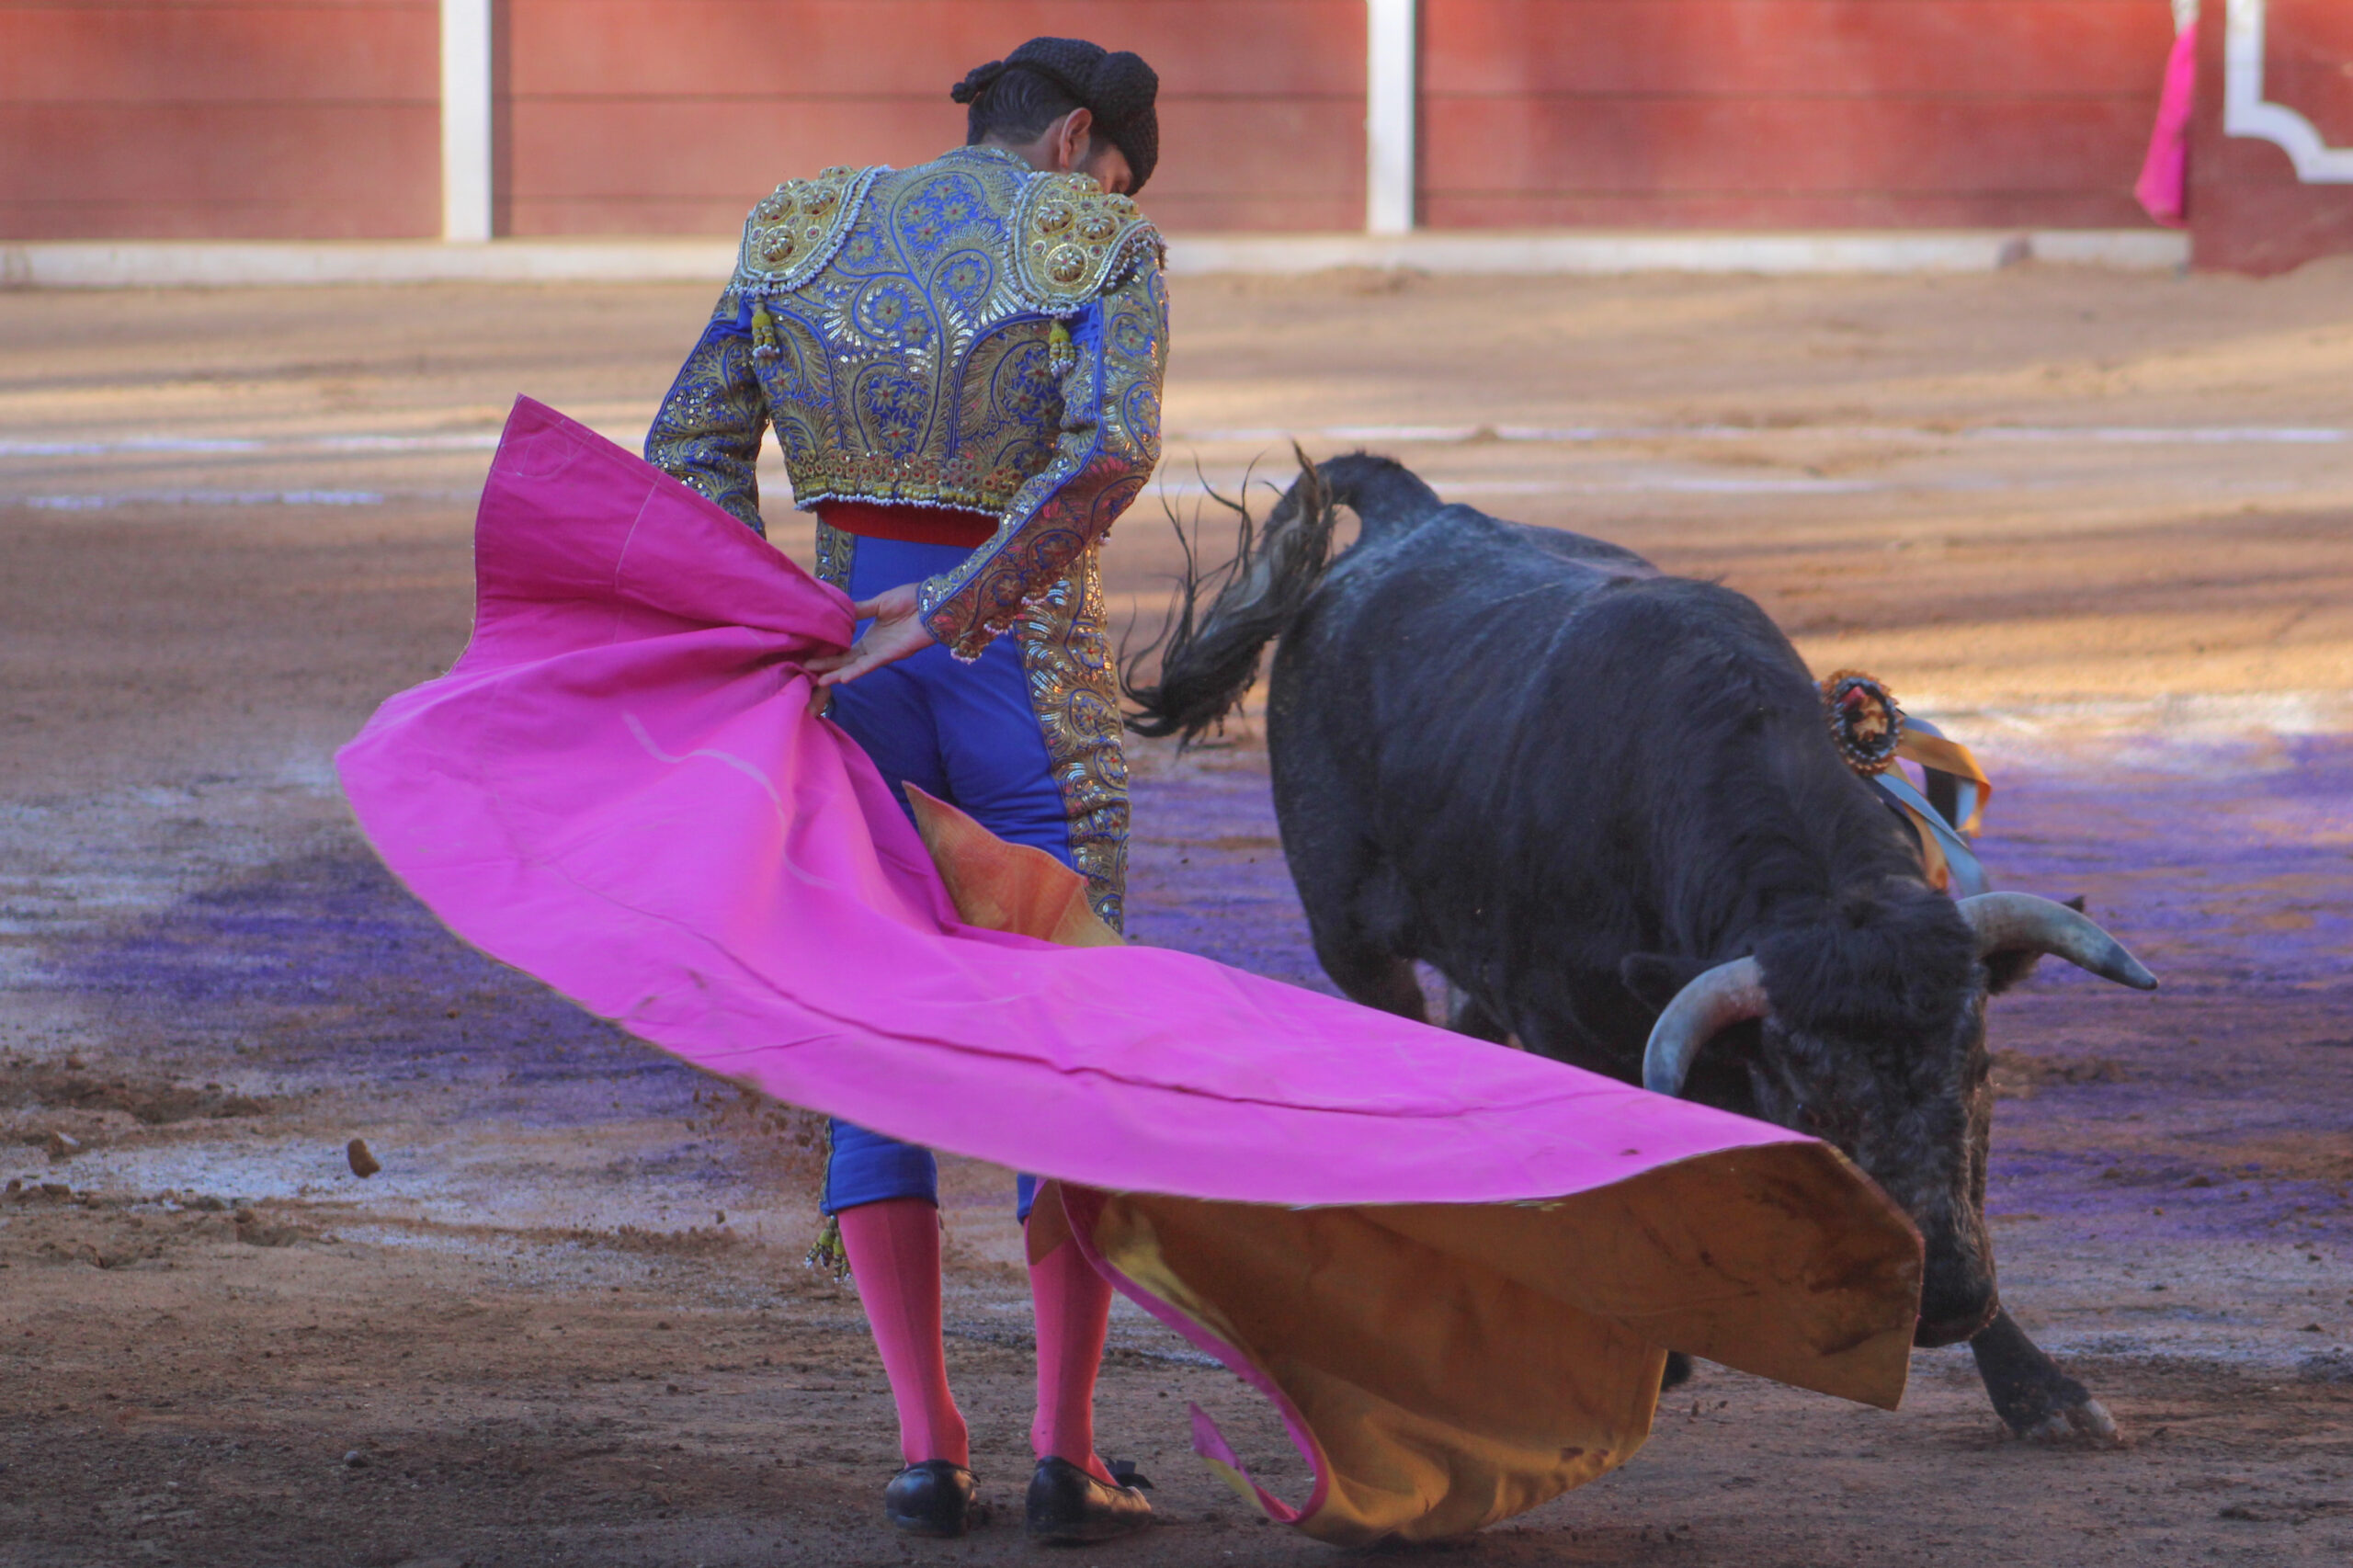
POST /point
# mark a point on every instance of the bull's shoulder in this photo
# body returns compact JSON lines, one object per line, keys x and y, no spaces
{"x":1586,"y":551}
{"x":1509,"y":552}
{"x":1457,"y":567}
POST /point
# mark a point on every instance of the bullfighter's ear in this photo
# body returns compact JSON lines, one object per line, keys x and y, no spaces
{"x":1659,"y":978}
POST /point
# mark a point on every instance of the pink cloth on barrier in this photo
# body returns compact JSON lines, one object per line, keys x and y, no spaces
{"x":619,"y":788}
{"x":2163,"y":188}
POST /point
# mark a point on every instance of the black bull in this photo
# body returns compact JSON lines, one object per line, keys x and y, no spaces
{"x":1604,"y":803}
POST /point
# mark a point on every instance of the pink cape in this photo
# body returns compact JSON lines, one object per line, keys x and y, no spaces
{"x":618,"y":788}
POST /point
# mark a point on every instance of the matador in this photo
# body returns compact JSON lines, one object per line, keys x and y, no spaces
{"x":961,"y":362}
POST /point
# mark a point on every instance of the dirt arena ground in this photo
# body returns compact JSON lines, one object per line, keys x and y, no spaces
{"x":2100,"y":525}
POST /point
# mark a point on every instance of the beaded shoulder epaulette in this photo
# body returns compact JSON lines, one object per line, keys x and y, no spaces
{"x":793,"y":232}
{"x":1073,"y":239}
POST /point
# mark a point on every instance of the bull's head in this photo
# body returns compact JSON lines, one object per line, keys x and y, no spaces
{"x":1912,"y":1112}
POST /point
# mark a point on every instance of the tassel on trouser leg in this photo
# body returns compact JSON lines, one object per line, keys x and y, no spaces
{"x":893,"y":1248}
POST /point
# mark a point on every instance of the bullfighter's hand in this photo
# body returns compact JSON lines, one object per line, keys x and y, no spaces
{"x":898,"y":630}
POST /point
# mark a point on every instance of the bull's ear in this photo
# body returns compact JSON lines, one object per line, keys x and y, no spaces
{"x":1659,"y":978}
{"x":2005,"y":969}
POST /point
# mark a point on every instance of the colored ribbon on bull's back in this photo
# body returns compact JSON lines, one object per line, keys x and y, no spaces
{"x":1454,"y":1268}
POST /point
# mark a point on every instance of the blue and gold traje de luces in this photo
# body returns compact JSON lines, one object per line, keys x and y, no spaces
{"x":972,"y":334}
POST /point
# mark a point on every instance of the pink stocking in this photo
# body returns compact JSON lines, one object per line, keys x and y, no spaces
{"x":894,"y":1250}
{"x":1074,"y":1305}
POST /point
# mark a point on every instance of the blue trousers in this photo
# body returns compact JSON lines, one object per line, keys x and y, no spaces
{"x":968,"y":734}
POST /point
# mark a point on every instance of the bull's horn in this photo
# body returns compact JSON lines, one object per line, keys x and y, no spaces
{"x":2019,"y":921}
{"x":1710,"y":1004}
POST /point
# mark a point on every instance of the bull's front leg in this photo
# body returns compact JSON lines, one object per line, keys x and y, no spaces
{"x":2035,"y":1400}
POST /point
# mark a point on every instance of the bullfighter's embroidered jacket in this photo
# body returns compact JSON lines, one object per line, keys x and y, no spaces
{"x":972,"y":334}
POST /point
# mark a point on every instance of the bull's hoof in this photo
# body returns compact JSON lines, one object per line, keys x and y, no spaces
{"x":2074,"y":1426}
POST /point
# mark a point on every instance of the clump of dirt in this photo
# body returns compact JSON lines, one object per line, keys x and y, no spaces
{"x":150,"y":1101}
{"x":2326,"y":1157}
{"x":69,"y":1109}
{"x":695,"y":1241}
{"x":2021,"y":1076}
{"x":2170,"y":1174}
{"x":789,"y":1142}
{"x":48,"y":1222}
{"x":1246,"y":843}
{"x":2330,"y":1366}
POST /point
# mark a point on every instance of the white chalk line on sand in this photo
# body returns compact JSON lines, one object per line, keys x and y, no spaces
{"x":1439,"y":435}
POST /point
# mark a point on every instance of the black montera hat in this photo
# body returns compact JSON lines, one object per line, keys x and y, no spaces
{"x":1118,"y":87}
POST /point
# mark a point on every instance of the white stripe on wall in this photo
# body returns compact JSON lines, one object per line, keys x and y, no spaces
{"x":1393,"y":41}
{"x":465,"y":120}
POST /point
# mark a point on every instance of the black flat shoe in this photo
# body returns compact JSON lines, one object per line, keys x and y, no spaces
{"x":1069,"y":1508}
{"x":934,"y":1499}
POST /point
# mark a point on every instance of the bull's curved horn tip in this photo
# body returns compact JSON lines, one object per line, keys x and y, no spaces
{"x":1712,"y":1003}
{"x":2025,"y":923}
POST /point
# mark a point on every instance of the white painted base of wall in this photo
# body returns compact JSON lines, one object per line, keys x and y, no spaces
{"x":220,"y":264}
{"x":231,"y":264}
{"x":1598,"y":252}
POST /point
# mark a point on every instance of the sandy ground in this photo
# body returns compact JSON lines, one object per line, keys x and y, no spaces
{"x":2100,"y":525}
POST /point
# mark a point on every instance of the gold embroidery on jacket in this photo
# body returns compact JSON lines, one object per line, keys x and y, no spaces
{"x":966,"y":334}
{"x":1107,"y":446}
{"x":708,"y":432}
{"x":900,"y":342}
{"x":794,"y":231}
{"x":1074,"y":687}
{"x":1075,"y":238}
{"x":836,"y":554}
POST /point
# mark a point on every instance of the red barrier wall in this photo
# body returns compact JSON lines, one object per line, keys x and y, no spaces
{"x":1788,"y":113}
{"x":2248,"y":211}
{"x":216,"y":119}
{"x":318,"y":117}
{"x":674,"y":116}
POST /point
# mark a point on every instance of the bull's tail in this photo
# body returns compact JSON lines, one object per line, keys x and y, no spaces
{"x":1383,"y":493}
{"x":1209,"y":663}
